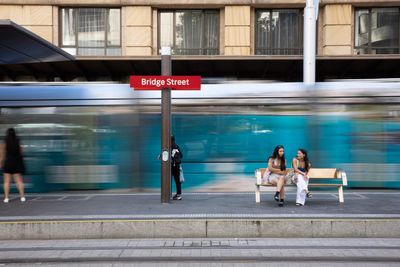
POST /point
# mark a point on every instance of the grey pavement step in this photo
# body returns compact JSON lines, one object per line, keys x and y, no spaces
{"x":105,"y":215}
{"x":186,"y":228}
{"x":207,"y":255}
{"x":247,"y":251}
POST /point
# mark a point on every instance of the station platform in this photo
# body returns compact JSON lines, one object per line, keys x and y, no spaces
{"x":100,"y":214}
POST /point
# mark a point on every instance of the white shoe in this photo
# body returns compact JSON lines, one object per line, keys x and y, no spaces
{"x":23,"y":199}
{"x":5,"y":200}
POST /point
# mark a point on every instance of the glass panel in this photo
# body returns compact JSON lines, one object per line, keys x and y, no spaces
{"x":70,"y":50}
{"x":384,"y":51}
{"x":91,"y":51}
{"x":385,"y":28}
{"x":196,"y":32}
{"x":114,"y":27}
{"x":383,"y":25}
{"x":262,"y":31}
{"x":113,"y":51}
{"x":279,"y":32}
{"x":68,"y":26}
{"x":362,"y":25}
{"x":189,"y":33}
{"x":166,"y":29}
{"x":91,"y":27}
{"x":361,"y":50}
{"x":211,"y":37}
{"x":285,"y":32}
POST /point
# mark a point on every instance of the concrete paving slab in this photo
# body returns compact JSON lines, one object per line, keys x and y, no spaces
{"x":106,"y":215}
{"x":97,"y":205}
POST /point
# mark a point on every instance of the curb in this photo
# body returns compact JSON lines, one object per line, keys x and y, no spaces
{"x":199,"y":228}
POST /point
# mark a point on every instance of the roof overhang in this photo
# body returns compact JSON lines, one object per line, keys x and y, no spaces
{"x":20,"y":46}
{"x":281,"y":68}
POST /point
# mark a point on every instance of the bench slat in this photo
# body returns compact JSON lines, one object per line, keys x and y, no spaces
{"x":315,"y":173}
{"x":325,"y":184}
{"x":308,"y":184}
{"x":322,"y":173}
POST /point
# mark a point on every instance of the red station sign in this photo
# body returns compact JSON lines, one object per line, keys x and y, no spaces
{"x":162,"y":82}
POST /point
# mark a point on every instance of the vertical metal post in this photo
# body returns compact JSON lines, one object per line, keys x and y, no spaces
{"x":166,"y":128}
{"x":309,"y":51}
{"x":309,"y":42}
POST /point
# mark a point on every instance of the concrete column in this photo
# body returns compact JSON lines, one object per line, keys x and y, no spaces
{"x":237,"y":30}
{"x":137,"y":29}
{"x":337,"y":33}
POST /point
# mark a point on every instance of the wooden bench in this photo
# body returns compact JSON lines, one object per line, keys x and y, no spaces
{"x":314,"y":174}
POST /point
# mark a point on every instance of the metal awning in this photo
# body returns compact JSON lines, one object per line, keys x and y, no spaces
{"x":280,"y":68}
{"x":20,"y":46}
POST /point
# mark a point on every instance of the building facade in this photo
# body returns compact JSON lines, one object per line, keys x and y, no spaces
{"x":211,"y":29}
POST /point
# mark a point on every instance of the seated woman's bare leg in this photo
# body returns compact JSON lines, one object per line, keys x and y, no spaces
{"x":281,"y":183}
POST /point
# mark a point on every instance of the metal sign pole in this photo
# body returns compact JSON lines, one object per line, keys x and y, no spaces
{"x":310,"y":17}
{"x":166,"y":128}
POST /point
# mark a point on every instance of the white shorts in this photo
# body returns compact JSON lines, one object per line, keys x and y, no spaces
{"x":274,"y":177}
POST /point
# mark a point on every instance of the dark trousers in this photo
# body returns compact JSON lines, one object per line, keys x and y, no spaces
{"x":175,"y":173}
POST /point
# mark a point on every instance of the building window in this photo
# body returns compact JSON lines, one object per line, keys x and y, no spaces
{"x":279,"y":32}
{"x":190,"y":32}
{"x":91,"y":31}
{"x":377,"y":31}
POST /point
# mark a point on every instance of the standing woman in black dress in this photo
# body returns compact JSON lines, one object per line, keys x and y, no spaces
{"x":12,"y":163}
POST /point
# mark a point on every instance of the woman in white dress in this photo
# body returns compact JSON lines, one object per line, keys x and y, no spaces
{"x":276,"y":172}
{"x":301,"y":166}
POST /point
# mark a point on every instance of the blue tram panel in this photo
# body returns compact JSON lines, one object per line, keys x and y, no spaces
{"x":111,"y":141}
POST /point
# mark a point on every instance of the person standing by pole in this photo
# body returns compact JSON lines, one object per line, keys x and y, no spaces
{"x":176,"y":160}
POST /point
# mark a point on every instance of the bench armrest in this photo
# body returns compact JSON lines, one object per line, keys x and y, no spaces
{"x":257,"y":174}
{"x":343,"y":176}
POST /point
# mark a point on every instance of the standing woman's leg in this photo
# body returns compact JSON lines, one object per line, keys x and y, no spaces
{"x":6,"y":185}
{"x":175,"y":173}
{"x":178,"y":182}
{"x":20,"y":184}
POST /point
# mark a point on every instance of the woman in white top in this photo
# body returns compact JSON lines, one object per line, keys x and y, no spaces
{"x":301,"y":166}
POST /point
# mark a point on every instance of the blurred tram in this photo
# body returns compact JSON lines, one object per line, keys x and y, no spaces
{"x":107,"y":136}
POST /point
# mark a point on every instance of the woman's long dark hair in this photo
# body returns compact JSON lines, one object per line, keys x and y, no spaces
{"x":12,"y":141}
{"x":275,"y":155}
{"x":306,"y":160}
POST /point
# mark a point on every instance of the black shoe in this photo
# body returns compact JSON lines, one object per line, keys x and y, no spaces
{"x":276,"y":197}
{"x":280,"y":204}
{"x":299,"y":204}
{"x":309,"y":195}
{"x":177,"y":197}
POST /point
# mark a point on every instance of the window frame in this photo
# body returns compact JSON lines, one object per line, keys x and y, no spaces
{"x":173,"y":48}
{"x":269,"y":48}
{"x":76,"y":16}
{"x":369,"y":47}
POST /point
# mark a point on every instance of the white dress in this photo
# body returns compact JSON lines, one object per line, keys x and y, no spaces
{"x":302,"y":189}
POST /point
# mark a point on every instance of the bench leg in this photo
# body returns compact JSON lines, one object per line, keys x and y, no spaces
{"x":258,"y":198}
{"x":341,"y":197}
